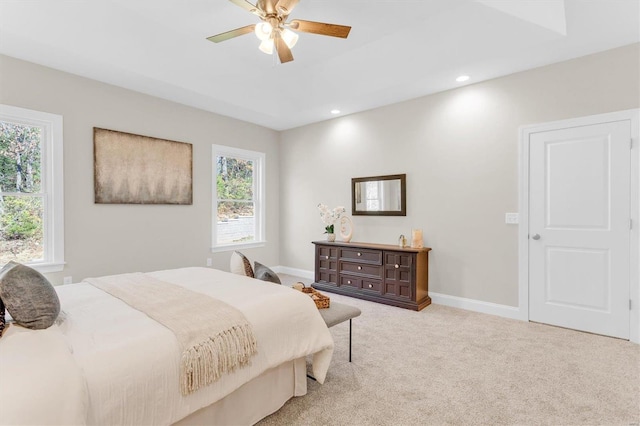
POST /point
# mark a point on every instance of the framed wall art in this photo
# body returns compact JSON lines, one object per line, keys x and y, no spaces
{"x":135,"y":169}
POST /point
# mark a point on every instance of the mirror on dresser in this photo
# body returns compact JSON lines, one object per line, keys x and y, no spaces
{"x":379,"y":195}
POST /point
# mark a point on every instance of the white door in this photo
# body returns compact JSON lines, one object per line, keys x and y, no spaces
{"x":579,"y":227}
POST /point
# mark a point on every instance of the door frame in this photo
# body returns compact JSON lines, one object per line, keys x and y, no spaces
{"x":633,"y":115}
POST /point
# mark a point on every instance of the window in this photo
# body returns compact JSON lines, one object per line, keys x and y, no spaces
{"x":238,"y":198}
{"x":31,"y":189}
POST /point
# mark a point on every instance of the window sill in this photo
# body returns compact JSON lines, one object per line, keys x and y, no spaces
{"x":233,"y":247}
{"x":44,"y":268}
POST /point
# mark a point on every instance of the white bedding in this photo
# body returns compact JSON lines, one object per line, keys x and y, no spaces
{"x":130,"y":363}
{"x":40,"y":382}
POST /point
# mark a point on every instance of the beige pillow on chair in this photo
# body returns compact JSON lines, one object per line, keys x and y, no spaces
{"x":239,"y":264}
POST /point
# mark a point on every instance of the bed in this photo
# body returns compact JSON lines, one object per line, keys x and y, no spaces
{"x":107,"y":363}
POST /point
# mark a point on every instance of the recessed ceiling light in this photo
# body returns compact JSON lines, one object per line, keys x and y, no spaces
{"x":462,"y":78}
{"x":335,"y":111}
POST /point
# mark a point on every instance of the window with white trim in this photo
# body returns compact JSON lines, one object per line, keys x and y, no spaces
{"x":31,"y":189}
{"x":238,"y":198}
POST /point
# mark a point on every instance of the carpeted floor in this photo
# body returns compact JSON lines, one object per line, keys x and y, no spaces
{"x":450,"y":366}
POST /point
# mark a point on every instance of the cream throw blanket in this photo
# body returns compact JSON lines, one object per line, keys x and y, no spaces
{"x":215,"y":338}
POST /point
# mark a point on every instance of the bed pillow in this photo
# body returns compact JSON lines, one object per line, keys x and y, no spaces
{"x":240,"y":265}
{"x":28,"y":296}
{"x":265,"y":274}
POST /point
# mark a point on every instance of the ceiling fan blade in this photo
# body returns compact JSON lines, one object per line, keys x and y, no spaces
{"x":320,"y":28}
{"x":248,"y":6}
{"x":231,"y":34}
{"x":286,"y":6}
{"x":284,"y":53}
{"x":268,"y":6}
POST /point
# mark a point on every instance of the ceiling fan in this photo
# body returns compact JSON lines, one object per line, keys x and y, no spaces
{"x":274,"y":31}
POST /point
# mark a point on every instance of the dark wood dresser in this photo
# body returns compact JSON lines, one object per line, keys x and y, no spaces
{"x":376,"y":272}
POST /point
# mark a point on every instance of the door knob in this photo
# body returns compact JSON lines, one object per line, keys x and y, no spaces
{"x":536,"y":237}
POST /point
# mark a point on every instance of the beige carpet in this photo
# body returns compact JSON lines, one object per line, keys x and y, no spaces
{"x":450,"y":366}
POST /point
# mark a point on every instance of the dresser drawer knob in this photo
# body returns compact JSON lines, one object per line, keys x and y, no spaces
{"x":370,"y":285}
{"x":349,"y":282}
{"x":326,"y":257}
{"x":359,"y":268}
{"x":359,"y":254}
{"x":397,"y":266}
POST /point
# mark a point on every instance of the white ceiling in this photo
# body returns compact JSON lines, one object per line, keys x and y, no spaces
{"x":397,"y":49}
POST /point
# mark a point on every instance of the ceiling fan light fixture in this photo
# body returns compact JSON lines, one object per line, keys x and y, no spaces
{"x":274,"y":32}
{"x":289,"y":37}
{"x":263,"y":31}
{"x":266,"y":46}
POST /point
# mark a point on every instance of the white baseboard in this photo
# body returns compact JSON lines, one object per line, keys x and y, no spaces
{"x":437,"y":298}
{"x":309,"y":275}
{"x":476,"y":305}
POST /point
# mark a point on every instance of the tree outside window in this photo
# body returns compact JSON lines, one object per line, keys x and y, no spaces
{"x":21,"y":198}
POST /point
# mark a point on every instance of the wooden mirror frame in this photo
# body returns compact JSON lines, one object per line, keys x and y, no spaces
{"x":403,"y":196}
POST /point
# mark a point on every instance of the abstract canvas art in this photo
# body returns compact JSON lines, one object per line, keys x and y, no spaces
{"x":135,"y":169}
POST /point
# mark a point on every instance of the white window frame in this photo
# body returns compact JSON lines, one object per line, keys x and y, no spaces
{"x":259,"y":174}
{"x":52,"y":185}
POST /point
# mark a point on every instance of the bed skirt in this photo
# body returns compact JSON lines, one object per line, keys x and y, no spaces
{"x":256,"y":399}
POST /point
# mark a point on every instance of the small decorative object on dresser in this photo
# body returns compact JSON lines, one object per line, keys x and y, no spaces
{"x":416,"y":238}
{"x":346,"y":228}
{"x":376,"y":272}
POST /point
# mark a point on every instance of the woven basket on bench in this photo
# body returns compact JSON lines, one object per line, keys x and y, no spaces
{"x":321,"y":301}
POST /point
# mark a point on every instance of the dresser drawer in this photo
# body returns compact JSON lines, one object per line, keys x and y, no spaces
{"x":347,"y":281}
{"x":373,"y":271}
{"x":372,"y":285}
{"x":362,"y":255}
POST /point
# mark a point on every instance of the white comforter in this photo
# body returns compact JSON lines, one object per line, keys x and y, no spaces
{"x":130,"y":363}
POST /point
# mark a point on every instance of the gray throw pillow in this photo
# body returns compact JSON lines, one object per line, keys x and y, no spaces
{"x":28,"y":296}
{"x":265,"y":274}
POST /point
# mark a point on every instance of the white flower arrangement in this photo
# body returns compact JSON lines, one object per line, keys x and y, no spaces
{"x":330,"y":216}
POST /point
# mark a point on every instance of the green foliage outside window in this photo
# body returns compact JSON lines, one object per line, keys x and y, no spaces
{"x":21,"y":218}
{"x":234,"y":184}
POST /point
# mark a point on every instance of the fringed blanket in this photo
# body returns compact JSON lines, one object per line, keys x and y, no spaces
{"x":215,"y":338}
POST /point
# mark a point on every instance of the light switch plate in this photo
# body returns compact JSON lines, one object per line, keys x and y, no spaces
{"x":511,"y":218}
{"x":209,"y":262}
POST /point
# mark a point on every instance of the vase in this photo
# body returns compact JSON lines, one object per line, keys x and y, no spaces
{"x":331,"y":237}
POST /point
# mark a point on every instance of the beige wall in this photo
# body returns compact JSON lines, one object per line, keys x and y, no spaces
{"x":459,"y":150}
{"x":108,"y":239}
